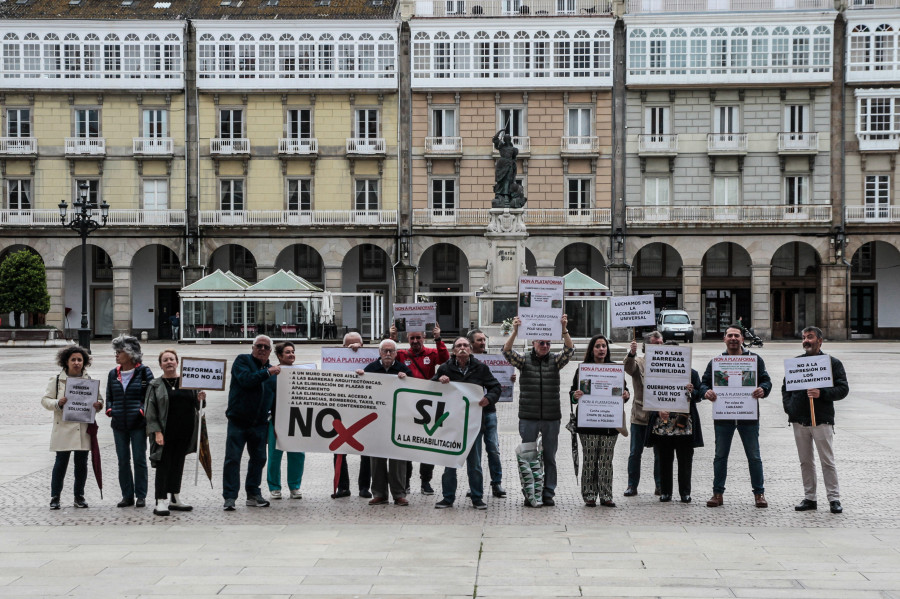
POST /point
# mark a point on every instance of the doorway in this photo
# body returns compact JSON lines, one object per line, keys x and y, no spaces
{"x":166,"y":306}
{"x":862,"y":311}
{"x":102,"y":312}
{"x":783,"y":301}
{"x":447,"y":310}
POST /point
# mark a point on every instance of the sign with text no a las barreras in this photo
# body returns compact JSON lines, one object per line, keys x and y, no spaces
{"x":345,"y":359}
{"x":808,"y":372}
{"x":80,"y":397}
{"x":632,"y":311}
{"x":667,"y":371}
{"x":601,"y":404}
{"x":376,"y":415}
{"x":203,"y":373}
{"x":734,"y":381}
{"x":415,"y":317}
{"x":502,"y":371}
{"x":541,"y":307}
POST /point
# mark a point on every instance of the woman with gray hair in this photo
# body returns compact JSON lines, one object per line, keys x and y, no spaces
{"x":126,"y":388}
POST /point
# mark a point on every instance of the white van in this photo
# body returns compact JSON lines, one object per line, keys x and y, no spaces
{"x":675,"y":324}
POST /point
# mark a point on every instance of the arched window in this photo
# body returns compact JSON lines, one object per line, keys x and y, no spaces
{"x":12,"y":56}
{"x":346,"y":56}
{"x":386,"y":55}
{"x":266,"y":64}
{"x":718,"y":51}
{"x":521,"y":54}
{"x":306,"y":56}
{"x":562,"y":54}
{"x":152,"y":56}
{"x":92,"y":56}
{"x":678,"y":52}
{"x":800,"y":50}
{"x":699,"y":59}
{"x":759,"y":50}
{"x":461,"y":55}
{"x":31,"y":56}
{"x":287,"y":56}
{"x":860,"y":48}
{"x":71,"y":55}
{"x":780,"y":49}
{"x":884,"y":47}
{"x":581,"y":54}
{"x":739,"y":50}
{"x":172,"y":56}
{"x":482,"y":55}
{"x":821,"y":57}
{"x":637,"y":51}
{"x":246,"y":55}
{"x":658,"y":52}
{"x":442,"y":55}
{"x":422,"y":55}
{"x":541,"y":51}
{"x":366,"y":56}
{"x":501,"y":54}
{"x":326,"y":56}
{"x":227,"y":56}
{"x":602,"y":54}
{"x":52,"y":57}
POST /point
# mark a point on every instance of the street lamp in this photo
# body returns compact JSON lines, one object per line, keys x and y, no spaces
{"x":83,"y":224}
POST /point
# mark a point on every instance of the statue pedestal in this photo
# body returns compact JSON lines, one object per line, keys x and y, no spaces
{"x":506,"y":235}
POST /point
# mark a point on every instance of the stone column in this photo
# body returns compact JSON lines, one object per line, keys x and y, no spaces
{"x":832,"y":317}
{"x":121,"y":300}
{"x":506,"y":235}
{"x":56,"y":278}
{"x":619,"y":285}
{"x":692,"y":297}
{"x":760,"y":300}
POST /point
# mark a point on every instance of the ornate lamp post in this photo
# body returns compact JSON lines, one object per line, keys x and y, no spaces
{"x":83,"y":224}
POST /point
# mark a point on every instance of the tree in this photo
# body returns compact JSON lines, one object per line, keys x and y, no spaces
{"x":23,"y":285}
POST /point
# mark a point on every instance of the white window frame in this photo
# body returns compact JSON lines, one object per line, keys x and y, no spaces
{"x":362,"y":122}
{"x":157,"y":182}
{"x":155,"y":122}
{"x":439,"y":186}
{"x":726,"y":119}
{"x":83,"y":115}
{"x":231,"y":122}
{"x":791,"y":118}
{"x":726,"y":191}
{"x":658,"y":119}
{"x":367,"y":187}
{"x":583,"y":189}
{"x":506,"y":122}
{"x":19,"y":187}
{"x":877,"y":197}
{"x":438,"y":122}
{"x":299,"y":182}
{"x":796,"y":190}
{"x":95,"y":192}
{"x":233,"y":184}
{"x":19,"y":133}
{"x":580,"y":110}
{"x":293,"y":128}
{"x":660,"y":188}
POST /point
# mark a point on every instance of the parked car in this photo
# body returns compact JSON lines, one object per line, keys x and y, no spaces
{"x":675,"y":325}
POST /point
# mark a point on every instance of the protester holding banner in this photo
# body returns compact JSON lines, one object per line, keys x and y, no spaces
{"x":464,"y":368}
{"x":597,"y":444}
{"x":126,"y":388}
{"x":173,"y":421}
{"x":248,"y":423}
{"x":67,"y":438}
{"x":539,"y":406}
{"x":640,"y":418}
{"x":388,"y":473}
{"x":284,"y":351}
{"x":478,"y":341}
{"x":811,"y":414}
{"x":747,"y":429}
{"x":354,"y":342}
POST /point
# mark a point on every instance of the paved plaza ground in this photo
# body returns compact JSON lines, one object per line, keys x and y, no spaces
{"x":317,"y":546}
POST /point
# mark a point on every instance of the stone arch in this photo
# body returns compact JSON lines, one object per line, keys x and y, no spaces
{"x":236,"y":258}
{"x":366,"y":266}
{"x":155,"y":281}
{"x":444,"y":268}
{"x":585,"y":257}
{"x":725,"y":271}
{"x":658,"y":271}
{"x":303,"y":260}
{"x":874,"y":287}
{"x":794,"y":289}
{"x":100,"y":290}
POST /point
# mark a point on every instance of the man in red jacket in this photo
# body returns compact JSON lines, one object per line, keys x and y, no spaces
{"x":423,"y":361}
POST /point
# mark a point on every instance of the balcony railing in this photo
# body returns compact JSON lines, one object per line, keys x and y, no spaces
{"x":443,"y":145}
{"x":85,"y":146}
{"x":798,"y":142}
{"x":117,"y":217}
{"x":510,"y":8}
{"x":521,"y":143}
{"x":298,"y":217}
{"x":452,"y":217}
{"x":878,"y":142}
{"x":298,"y":147}
{"x":153,"y":146}
{"x":580,"y":144}
{"x":873,"y":214}
{"x":738,"y":215}
{"x":726,"y":143}
{"x":864,"y":4}
{"x":227,"y":146}
{"x":658,"y":143}
{"x":537,"y":217}
{"x":366,"y":145}
{"x":651,"y":6}
{"x":18,"y":146}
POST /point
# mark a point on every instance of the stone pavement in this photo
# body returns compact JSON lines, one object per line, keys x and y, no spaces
{"x":343,"y":548}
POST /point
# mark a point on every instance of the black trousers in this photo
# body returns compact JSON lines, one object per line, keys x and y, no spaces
{"x":364,"y":480}
{"x":426,"y":472}
{"x":669,"y":447}
{"x":170,"y":467}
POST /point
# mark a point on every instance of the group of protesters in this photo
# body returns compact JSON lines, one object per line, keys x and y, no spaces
{"x":146,"y":410}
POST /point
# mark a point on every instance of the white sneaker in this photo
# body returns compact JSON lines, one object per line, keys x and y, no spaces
{"x":275,"y":494}
{"x":296,"y":494}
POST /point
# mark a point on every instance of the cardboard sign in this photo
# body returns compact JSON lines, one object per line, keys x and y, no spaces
{"x":541,"y":307}
{"x":203,"y":373}
{"x":632,"y":311}
{"x":377,"y":415}
{"x":601,"y":404}
{"x":81,"y":394}
{"x":346,"y":360}
{"x":502,"y":371}
{"x":808,"y":372}
{"x":667,"y":371}
{"x":734,"y":380}
{"x":415,"y":317}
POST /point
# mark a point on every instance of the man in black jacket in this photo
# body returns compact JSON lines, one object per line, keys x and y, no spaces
{"x":796,"y":406}
{"x":463,"y":368}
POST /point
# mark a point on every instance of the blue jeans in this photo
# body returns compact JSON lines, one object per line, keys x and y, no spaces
{"x":255,"y":438}
{"x":128,"y":444}
{"x":749,"y":432}
{"x":492,"y":446}
{"x":473,"y":469}
{"x":637,"y":433}
{"x":295,"y":461}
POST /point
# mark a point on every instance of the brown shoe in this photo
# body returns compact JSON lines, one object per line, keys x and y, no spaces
{"x":401,"y":501}
{"x":760,"y":500}
{"x":378,"y":501}
{"x":716,"y":500}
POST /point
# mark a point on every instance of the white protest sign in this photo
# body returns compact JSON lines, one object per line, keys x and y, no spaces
{"x":601,"y":404}
{"x":502,"y":371}
{"x":541,"y":307}
{"x":808,"y":372}
{"x":632,"y":311}
{"x":415,"y":317}
{"x":347,"y":360}
{"x":377,"y":415}
{"x":203,"y":373}
{"x":80,"y":397}
{"x":734,"y":380}
{"x":667,"y":371}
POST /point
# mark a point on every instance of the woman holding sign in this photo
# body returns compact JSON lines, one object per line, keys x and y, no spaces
{"x":597,"y":444}
{"x":68,"y":437}
{"x":173,"y":419}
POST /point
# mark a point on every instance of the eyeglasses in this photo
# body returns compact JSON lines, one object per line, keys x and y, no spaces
{"x":385,"y":350}
{"x":547,"y":343}
{"x":263,"y":346}
{"x":461,"y":345}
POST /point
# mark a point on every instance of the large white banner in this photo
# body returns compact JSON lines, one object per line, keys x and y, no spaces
{"x":377,"y":415}
{"x":808,"y":372}
{"x":502,"y":371}
{"x":541,"y":307}
{"x":734,"y":381}
{"x":345,"y":359}
{"x":632,"y":311}
{"x":667,"y":371}
{"x":80,"y":397}
{"x":415,"y":317}
{"x":601,"y":404}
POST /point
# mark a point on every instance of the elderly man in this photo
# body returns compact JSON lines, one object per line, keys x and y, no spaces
{"x":797,"y":407}
{"x":352,"y":341}
{"x":248,"y":423}
{"x":747,"y":429}
{"x":634,"y":366}
{"x":463,"y":368}
{"x":387,"y":472}
{"x":539,"y":393}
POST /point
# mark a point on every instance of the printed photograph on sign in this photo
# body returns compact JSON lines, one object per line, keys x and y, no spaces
{"x":502,"y":370}
{"x":540,"y":307}
{"x":734,"y":381}
{"x":601,"y":405}
{"x":415,"y":317}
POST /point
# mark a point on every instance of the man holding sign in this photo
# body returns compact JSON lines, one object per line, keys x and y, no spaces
{"x":747,"y":429}
{"x":810,"y":409}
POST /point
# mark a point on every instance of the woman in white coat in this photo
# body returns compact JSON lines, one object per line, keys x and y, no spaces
{"x":68,"y":437}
